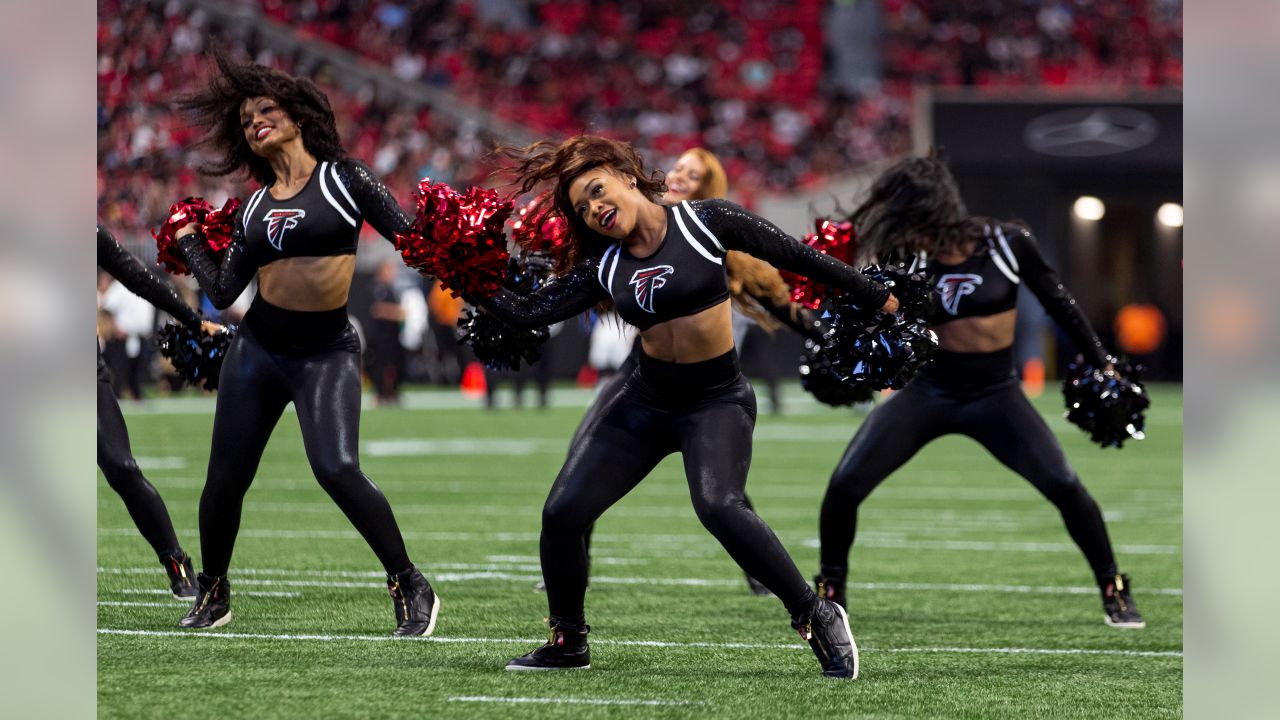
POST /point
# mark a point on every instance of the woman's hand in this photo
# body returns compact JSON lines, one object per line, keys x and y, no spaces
{"x":185,"y":230}
{"x":211,"y":328}
{"x":890,"y":305}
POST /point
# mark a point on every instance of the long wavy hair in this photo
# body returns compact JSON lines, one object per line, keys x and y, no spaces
{"x":914,"y":206}
{"x":715,"y":182}
{"x":749,"y":278}
{"x":215,"y":108}
{"x":559,"y":164}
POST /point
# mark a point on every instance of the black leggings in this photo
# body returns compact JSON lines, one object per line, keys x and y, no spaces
{"x":115,"y":458}
{"x":706,"y":411}
{"x":973,"y":394}
{"x":256,"y":384}
{"x":609,"y":388}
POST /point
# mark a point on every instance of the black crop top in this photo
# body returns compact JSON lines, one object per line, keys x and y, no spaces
{"x":323,"y":219}
{"x":141,"y":281}
{"x":986,"y":283}
{"x":685,"y":275}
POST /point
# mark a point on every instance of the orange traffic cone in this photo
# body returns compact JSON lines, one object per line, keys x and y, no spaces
{"x":473,"y":384}
{"x":1033,"y":377}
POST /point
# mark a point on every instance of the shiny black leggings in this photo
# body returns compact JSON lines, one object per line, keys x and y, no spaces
{"x":255,"y":386}
{"x":967,"y":394}
{"x":607,"y":389}
{"x":115,"y":459}
{"x":704,"y":411}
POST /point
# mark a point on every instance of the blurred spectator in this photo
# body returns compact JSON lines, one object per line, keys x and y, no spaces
{"x":127,"y":351}
{"x":444,"y":357}
{"x":385,"y":360}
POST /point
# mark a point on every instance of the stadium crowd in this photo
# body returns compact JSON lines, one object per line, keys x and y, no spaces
{"x":743,"y":78}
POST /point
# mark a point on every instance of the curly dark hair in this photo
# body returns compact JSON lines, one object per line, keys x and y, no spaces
{"x":559,"y":164}
{"x":914,"y":205}
{"x":216,"y":109}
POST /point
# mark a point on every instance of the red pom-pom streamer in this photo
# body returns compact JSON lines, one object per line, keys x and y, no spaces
{"x":537,"y":227}
{"x":829,"y":237}
{"x":213,"y":225}
{"x":458,"y":238}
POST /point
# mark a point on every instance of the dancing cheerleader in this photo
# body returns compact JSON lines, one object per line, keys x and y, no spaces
{"x":756,"y":288}
{"x":976,"y":264}
{"x":297,"y":234}
{"x":115,"y":458}
{"x":662,"y":268}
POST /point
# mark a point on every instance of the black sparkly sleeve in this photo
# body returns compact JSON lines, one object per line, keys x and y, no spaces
{"x":223,"y":282}
{"x":559,"y":299}
{"x":1056,"y":299}
{"x":140,"y":280}
{"x":737,"y":229}
{"x":376,"y":203}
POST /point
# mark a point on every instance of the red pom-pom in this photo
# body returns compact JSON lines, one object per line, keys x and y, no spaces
{"x":537,"y":227}
{"x":212,"y":225}
{"x":829,"y":238}
{"x":458,"y":238}
{"x":217,"y":225}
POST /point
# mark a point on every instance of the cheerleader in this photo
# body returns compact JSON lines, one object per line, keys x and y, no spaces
{"x":914,"y":210}
{"x":662,"y":268}
{"x":115,"y":458}
{"x":297,"y":234}
{"x":757,"y":290}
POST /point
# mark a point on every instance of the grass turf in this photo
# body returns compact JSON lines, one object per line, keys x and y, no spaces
{"x":963,"y":579}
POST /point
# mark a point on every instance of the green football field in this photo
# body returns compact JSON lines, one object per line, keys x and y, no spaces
{"x":967,"y":598}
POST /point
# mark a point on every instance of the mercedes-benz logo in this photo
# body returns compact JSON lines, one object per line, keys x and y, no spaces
{"x":1090,"y":132}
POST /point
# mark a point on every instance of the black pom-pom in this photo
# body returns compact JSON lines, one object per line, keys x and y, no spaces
{"x":1109,"y":405}
{"x":497,"y":345}
{"x":863,"y":346}
{"x":820,"y":379}
{"x":527,"y":271}
{"x":912,"y":289}
{"x":196,"y":356}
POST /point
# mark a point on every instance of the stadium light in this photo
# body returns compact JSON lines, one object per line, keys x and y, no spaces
{"x":1170,"y":215}
{"x":1088,"y":207}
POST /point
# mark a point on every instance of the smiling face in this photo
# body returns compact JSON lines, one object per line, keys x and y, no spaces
{"x":266,"y":125}
{"x":606,"y":201}
{"x":685,"y":179}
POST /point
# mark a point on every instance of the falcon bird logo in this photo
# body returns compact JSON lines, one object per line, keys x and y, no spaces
{"x":278,"y":221}
{"x":647,"y":282}
{"x":954,"y":287}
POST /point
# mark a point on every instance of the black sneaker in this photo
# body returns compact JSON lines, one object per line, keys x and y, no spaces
{"x":831,"y":587}
{"x":213,"y":603}
{"x":566,"y":649}
{"x":827,"y":630}
{"x":416,"y":603}
{"x":182,"y":578}
{"x":757,"y":588}
{"x":1117,"y":603}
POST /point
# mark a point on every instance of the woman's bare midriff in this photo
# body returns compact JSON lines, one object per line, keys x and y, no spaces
{"x":978,"y":334}
{"x":692,"y":338}
{"x":307,"y":283}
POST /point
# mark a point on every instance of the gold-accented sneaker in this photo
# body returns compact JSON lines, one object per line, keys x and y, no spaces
{"x":1117,"y":603}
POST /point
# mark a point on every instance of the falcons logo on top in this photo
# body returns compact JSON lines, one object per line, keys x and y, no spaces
{"x":647,"y":282}
{"x":278,"y":221}
{"x":953,"y":287}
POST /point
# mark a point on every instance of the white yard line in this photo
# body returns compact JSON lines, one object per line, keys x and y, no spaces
{"x":650,"y":540}
{"x":132,"y":603}
{"x":247,"y":593}
{"x":567,"y":701}
{"x":495,"y":571}
{"x":626,"y":643}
